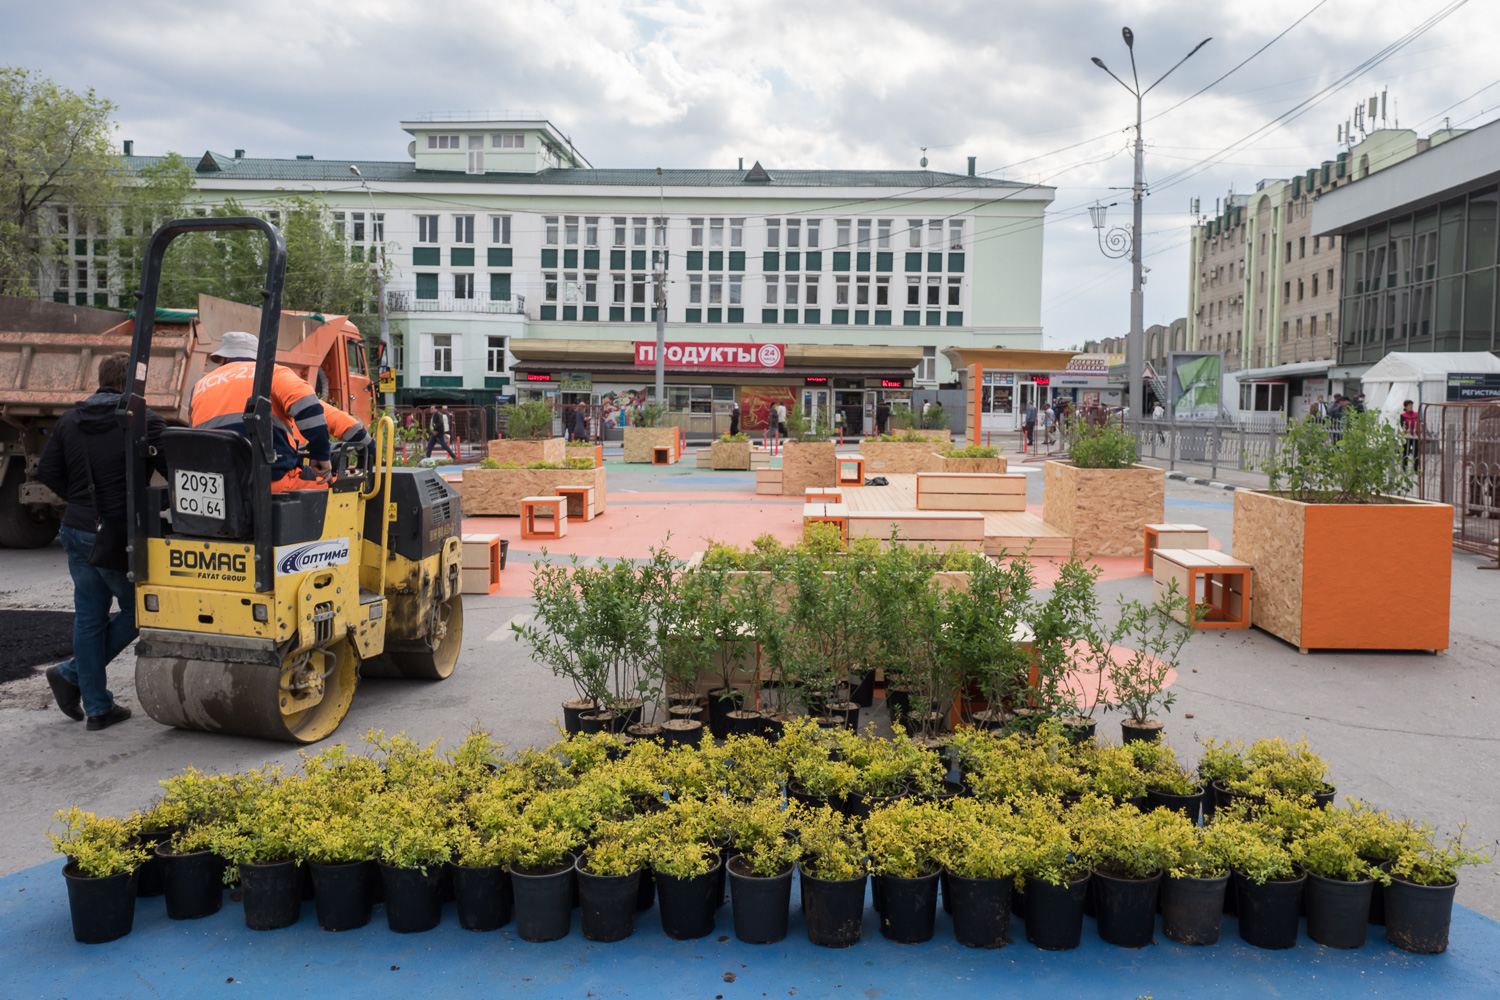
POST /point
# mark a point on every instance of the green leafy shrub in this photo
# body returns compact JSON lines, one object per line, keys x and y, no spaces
{"x":935,"y":418}
{"x":490,"y":463}
{"x":981,"y":841}
{"x":1159,"y":764}
{"x":98,"y":846}
{"x":727,"y":438}
{"x":904,"y":839}
{"x":1355,"y":461}
{"x":648,"y":415}
{"x":1437,"y":864}
{"x":972,"y":451}
{"x":832,"y":847}
{"x":1106,"y":445}
{"x":529,"y":421}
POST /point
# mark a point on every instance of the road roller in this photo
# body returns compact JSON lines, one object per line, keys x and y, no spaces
{"x":259,"y":612}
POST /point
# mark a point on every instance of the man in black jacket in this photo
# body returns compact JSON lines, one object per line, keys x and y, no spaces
{"x":87,"y":446}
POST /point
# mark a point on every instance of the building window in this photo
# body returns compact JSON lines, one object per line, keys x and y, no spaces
{"x":934,"y":291}
{"x":508,"y":140}
{"x":955,"y":234}
{"x":773,"y":233}
{"x":695,"y":289}
{"x":882,"y":291}
{"x":442,"y":352}
{"x":716,"y":232}
{"x":377,"y":227}
{"x":463,"y":229}
{"x":695,"y":232}
{"x":883,"y":234}
{"x":773,"y":289}
{"x":841,"y":291}
{"x":810,"y":294}
{"x":927,"y":368}
{"x":338,"y":225}
{"x":914,"y":233}
{"x":1315,"y":286}
{"x":1301,"y":247}
{"x":500,"y":230}
{"x":357,"y":226}
{"x":1330,"y":278}
{"x":1288,"y":251}
{"x":638,"y":223}
{"x":442,"y":142}
{"x":736,"y":286}
{"x":1299,"y":289}
{"x":618,"y":281}
{"x":427,"y":229}
{"x":793,"y":286}
{"x":494,"y":356}
{"x":935,"y":234}
{"x":914,"y":291}
{"x":549,"y":286}
{"x":736,"y":232}
{"x":862,"y":291}
{"x":1299,"y":328}
{"x":570,"y":286}
{"x":793,"y":234}
{"x":863,"y":225}
{"x":1287,"y":295}
{"x":463,"y":286}
{"x":476,"y":154}
{"x":638,"y":290}
{"x":83,"y":275}
{"x":570,"y":230}
{"x":955,"y":291}
{"x":591,"y":230}
{"x":549,"y":225}
{"x":619,"y":226}
{"x":715,"y":289}
{"x":101,"y":274}
{"x":841,"y":227}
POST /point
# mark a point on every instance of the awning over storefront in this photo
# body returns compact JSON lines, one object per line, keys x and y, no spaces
{"x":625,"y":372}
{"x":1008,"y":359}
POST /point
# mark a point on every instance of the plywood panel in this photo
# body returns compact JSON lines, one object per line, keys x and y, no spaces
{"x":807,"y":464}
{"x":730,"y":454}
{"x":1022,"y":532}
{"x":639,"y":441}
{"x":931,"y":525}
{"x":1105,"y":511}
{"x":498,"y":492}
{"x":885,"y":457}
{"x":970,"y":482}
{"x":970,"y":501}
{"x":553,"y":450}
{"x":991,"y":465}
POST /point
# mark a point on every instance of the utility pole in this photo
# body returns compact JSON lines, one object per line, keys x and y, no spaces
{"x":1135,"y":344}
{"x":388,"y":356}
{"x":661,"y":297}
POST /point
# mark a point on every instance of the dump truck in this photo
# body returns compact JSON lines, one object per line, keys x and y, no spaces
{"x":49,"y":359}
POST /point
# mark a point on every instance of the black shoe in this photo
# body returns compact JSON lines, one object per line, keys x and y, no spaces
{"x":116,"y":713}
{"x":69,"y":697}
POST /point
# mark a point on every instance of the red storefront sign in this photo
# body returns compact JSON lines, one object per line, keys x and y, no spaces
{"x":692,"y":354}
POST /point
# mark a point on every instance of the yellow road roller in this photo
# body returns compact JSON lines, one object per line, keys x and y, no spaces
{"x":259,"y":612}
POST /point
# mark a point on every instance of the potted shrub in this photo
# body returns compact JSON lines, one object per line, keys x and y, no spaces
{"x":974,"y":458}
{"x":982,"y":851}
{"x":1274,"y":766}
{"x":528,"y":436}
{"x":730,"y":451}
{"x":410,"y":835}
{"x":905,"y":858}
{"x":1219,"y":763}
{"x":1128,"y":856}
{"x":1332,"y":532}
{"x":905,"y":636}
{"x":1101,"y":496}
{"x":192,"y":874}
{"x":717,"y":634}
{"x":825,"y":629}
{"x":647,"y":431}
{"x":1268,"y":885}
{"x":483,"y":848}
{"x":330,"y":841}
{"x":688,"y":869}
{"x":1339,"y":886}
{"x":1065,"y":679}
{"x":542,"y":875}
{"x":1052,"y":877}
{"x":1419,"y":896}
{"x":1110,"y":772}
{"x":833,"y":870}
{"x":1193,"y":891}
{"x":1168,"y":784}
{"x":760,"y":874}
{"x":609,"y":877}
{"x":103,"y":855}
{"x":1378,"y":839}
{"x":260,"y":841}
{"x":983,"y":635}
{"x":1152,"y":636}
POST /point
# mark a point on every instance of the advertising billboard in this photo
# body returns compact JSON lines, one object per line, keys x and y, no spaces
{"x":1194,"y":381}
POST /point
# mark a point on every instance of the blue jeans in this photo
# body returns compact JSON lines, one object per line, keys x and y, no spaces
{"x":98,"y":637}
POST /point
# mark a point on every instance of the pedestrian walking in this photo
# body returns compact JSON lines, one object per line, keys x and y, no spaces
{"x":734,"y":419}
{"x":781,"y":419}
{"x":84,"y":463}
{"x":1411,"y":423}
{"x":1049,"y":421}
{"x":438,"y":430}
{"x":1028,"y":420}
{"x":882,"y":418}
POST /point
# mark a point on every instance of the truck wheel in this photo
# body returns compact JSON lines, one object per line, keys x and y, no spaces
{"x":23,"y":526}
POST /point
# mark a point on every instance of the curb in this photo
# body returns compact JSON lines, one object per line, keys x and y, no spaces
{"x":1185,"y":478}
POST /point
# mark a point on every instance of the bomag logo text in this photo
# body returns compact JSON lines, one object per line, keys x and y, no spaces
{"x":207,"y":565}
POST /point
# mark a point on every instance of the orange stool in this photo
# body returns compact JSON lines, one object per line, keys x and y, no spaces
{"x":529,"y":506}
{"x":827,"y":513}
{"x":1225,"y":600}
{"x":851,"y":472}
{"x":1173,"y":536}
{"x":663,"y":454}
{"x":481,"y":564}
{"x":580,"y":501}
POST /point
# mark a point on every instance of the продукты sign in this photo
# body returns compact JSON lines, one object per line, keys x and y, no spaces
{"x":709,"y":355}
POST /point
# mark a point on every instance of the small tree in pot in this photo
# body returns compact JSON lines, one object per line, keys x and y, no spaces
{"x":1153,"y":635}
{"x":983,"y":635}
{"x":103,"y":855}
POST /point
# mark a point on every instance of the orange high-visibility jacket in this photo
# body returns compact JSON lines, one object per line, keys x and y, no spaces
{"x":219,"y":402}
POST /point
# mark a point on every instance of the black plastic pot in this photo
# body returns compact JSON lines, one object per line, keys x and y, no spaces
{"x":1079,"y":732}
{"x":772,"y":728}
{"x":148,"y":876}
{"x":645,"y":895}
{"x":834,"y":909}
{"x":688,"y":904}
{"x":103,"y":909}
{"x":1338,"y":912}
{"x":761,"y":905}
{"x":1377,"y":894}
{"x":1149,"y":732}
{"x":413,"y":898}
{"x":272,"y":894}
{"x":691,"y":736}
{"x":1192,"y":909}
{"x":1417,"y":916}
{"x":862,"y":689}
{"x":861,"y":805}
{"x":908,"y":908}
{"x":571,"y":712}
{"x":193,"y":883}
{"x":483,"y":896}
{"x":742,"y":723}
{"x":544,"y":902}
{"x":847,"y":710}
{"x":725,"y":856}
{"x":1190,"y":806}
{"x":722,"y":701}
{"x":1324,"y":799}
{"x":598,"y":722}
{"x":693,"y":712}
{"x":634,"y":711}
{"x":980,"y":908}
{"x":897,"y":703}
{"x":1054,"y":913}
{"x":1226,"y":799}
{"x":342,"y":894}
{"x":1126,"y":908}
{"x":607,"y":903}
{"x":949,"y":790}
{"x":1268,"y":913}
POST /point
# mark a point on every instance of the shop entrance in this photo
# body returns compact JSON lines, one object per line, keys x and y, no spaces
{"x":815,"y":406}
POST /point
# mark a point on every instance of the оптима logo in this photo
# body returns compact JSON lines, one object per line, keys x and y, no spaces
{"x":311,"y":555}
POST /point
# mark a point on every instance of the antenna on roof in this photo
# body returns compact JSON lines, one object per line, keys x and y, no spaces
{"x":924,"y":156}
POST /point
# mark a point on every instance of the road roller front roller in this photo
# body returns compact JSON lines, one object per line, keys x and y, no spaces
{"x":259,"y":611}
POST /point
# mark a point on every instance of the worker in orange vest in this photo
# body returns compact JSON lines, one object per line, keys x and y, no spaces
{"x":299,"y":416}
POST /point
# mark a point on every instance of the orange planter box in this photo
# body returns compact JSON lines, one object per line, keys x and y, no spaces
{"x":1348,"y":576}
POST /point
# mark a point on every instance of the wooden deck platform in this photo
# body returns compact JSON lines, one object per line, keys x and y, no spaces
{"x":1012,"y":532}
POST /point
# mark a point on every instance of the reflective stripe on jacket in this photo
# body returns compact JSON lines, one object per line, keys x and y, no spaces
{"x":219,"y":401}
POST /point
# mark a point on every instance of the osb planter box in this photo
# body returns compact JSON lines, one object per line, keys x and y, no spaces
{"x":805,"y":464}
{"x":639,"y":441}
{"x":498,"y":492}
{"x":593,"y":451}
{"x":995,"y":465}
{"x":553,"y":450}
{"x":730,"y":455}
{"x":931,"y":433}
{"x":1104,"y":510}
{"x":901,"y":456}
{"x":1348,"y":576}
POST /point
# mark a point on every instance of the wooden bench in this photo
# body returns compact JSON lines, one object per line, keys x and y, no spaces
{"x":851,"y":471}
{"x":580,"y":502}
{"x":971,"y":491}
{"x":940,"y":529}
{"x":1226,"y":592}
{"x":768,"y":481}
{"x":664,"y":454}
{"x":705,"y":458}
{"x":480,"y":563}
{"x":823,"y":494}
{"x":1173,"y":536}
{"x":826,"y":513}
{"x":558,"y":506}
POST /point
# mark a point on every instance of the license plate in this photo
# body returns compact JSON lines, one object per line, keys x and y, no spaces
{"x":200,"y":493}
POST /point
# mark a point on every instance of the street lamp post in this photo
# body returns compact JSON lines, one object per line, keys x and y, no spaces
{"x":388,"y":356}
{"x":1135,"y":346}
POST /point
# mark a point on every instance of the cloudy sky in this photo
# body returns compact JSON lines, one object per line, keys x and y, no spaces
{"x":810,"y":83}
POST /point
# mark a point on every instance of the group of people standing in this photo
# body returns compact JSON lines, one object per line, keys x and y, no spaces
{"x":1053,"y":417}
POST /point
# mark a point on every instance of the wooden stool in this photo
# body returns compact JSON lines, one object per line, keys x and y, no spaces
{"x":663,"y":454}
{"x":851,"y":471}
{"x":580,"y":501}
{"x":559,"y":507}
{"x":823,"y":494}
{"x":768,"y":482}
{"x":480,"y":563}
{"x":1225,"y":601}
{"x":827,"y":513}
{"x":1174,"y":536}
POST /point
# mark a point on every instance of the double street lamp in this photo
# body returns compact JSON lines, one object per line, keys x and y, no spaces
{"x":1113,"y":244}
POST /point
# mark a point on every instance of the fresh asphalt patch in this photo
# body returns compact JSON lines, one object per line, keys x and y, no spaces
{"x":32,"y":639}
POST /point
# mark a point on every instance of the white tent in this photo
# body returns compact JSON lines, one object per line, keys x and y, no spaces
{"x":1422,"y":378}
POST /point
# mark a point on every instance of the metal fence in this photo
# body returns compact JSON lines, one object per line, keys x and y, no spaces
{"x":1237,"y":445}
{"x":1459,"y":463}
{"x":467,"y":433}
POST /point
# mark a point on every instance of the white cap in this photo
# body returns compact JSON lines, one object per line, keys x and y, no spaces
{"x":237,"y":344}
